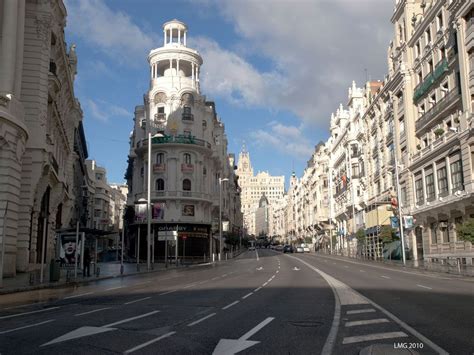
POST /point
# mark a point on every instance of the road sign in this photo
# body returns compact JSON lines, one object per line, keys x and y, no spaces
{"x":166,"y":237}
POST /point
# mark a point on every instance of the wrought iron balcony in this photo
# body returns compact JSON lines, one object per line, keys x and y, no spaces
{"x":437,"y":108}
{"x":187,"y":116}
{"x":426,"y":84}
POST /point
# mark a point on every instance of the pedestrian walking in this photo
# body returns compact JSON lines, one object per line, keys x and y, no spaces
{"x":87,"y":263}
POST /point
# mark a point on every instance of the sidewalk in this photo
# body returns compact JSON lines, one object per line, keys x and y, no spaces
{"x":31,"y":280}
{"x":418,"y":265}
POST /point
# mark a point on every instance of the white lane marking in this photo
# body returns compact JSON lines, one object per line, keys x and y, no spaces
{"x":25,"y":313}
{"x":95,"y":310}
{"x":26,"y":326}
{"x":224,"y":275}
{"x":358,"y":311}
{"x":215,"y":278}
{"x":366,"y":322}
{"x":167,"y":292}
{"x":385,"y":277}
{"x":256,"y":328}
{"x":139,"y":300}
{"x":346,"y":266}
{"x":401,"y":323}
{"x":191,"y":285}
{"x":146,"y":282}
{"x":265,"y":284}
{"x":277,"y":271}
{"x":230,"y":305}
{"x":395,"y":270}
{"x":361,"y":270}
{"x":114,"y":288}
{"x":256,"y":253}
{"x":257,"y":289}
{"x":429,"y":288}
{"x":80,"y":295}
{"x":203,"y":282}
{"x":201,"y":320}
{"x":247,"y":295}
{"x":370,"y":337}
{"x":129,"y":351}
{"x":22,"y":305}
{"x":129,"y":319}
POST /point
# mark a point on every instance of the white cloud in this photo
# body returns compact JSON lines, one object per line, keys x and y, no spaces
{"x":286,"y":139}
{"x":315,"y":50}
{"x":111,"y":32}
{"x":103,"y":111}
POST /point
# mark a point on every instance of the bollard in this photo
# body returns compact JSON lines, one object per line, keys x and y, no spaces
{"x":121,"y":269}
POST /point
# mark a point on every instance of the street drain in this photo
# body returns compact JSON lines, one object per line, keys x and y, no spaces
{"x":306,"y":323}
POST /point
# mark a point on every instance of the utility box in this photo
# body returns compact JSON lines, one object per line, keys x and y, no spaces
{"x":54,"y":271}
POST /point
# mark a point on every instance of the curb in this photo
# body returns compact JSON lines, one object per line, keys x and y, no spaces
{"x":73,"y":283}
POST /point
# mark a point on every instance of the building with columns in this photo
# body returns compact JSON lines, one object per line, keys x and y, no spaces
{"x":42,"y":141}
{"x":192,"y":175}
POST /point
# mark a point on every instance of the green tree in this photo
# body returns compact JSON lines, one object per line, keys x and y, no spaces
{"x":465,"y":231}
{"x":387,"y":234}
{"x":360,"y":235}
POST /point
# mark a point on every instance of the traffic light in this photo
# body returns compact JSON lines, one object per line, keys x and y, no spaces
{"x":394,"y":204}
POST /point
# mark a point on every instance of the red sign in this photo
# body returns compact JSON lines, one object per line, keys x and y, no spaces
{"x":184,"y":237}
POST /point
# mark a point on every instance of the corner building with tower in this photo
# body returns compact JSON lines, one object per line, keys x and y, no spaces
{"x":188,"y":157}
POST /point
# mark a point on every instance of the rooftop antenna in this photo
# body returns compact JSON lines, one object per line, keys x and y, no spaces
{"x":366,"y":75}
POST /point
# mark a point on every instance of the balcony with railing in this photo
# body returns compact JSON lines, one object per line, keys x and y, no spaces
{"x":438,"y":108}
{"x":179,"y":139}
{"x":159,"y":168}
{"x":430,"y":79}
{"x":435,"y":145}
{"x":187,"y":168}
{"x":162,"y":194}
{"x":160,"y":116}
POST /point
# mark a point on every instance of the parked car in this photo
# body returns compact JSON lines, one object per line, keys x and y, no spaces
{"x":278,"y":247}
{"x":288,"y":249}
{"x":299,"y":249}
{"x":305,"y":248}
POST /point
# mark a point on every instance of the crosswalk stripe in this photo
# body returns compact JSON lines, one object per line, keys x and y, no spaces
{"x":357,"y":311}
{"x":375,"y":336}
{"x":366,"y":322}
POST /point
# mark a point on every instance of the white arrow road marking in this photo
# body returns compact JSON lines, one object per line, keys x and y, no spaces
{"x":260,"y":268}
{"x":86,"y":331}
{"x":233,"y":346}
{"x":296,"y":269}
{"x":22,"y":314}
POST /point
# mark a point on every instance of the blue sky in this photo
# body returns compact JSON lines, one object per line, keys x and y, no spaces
{"x":275,"y":68}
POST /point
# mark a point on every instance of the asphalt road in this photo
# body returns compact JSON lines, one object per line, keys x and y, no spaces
{"x":262,"y":302}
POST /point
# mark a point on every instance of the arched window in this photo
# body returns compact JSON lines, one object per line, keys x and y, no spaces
{"x":187,"y":158}
{"x":186,"y":185}
{"x":160,"y":158}
{"x":159,"y":185}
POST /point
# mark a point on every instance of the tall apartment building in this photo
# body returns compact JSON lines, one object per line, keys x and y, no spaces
{"x":419,"y":120}
{"x":253,"y":187}
{"x":189,"y":164}
{"x":42,"y":142}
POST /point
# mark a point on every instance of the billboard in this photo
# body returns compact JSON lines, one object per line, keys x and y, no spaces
{"x":67,"y":249}
{"x":158,"y":211}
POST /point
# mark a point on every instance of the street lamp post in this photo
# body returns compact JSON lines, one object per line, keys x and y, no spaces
{"x":148,"y":209}
{"x":400,"y":215}
{"x":220,"y":215}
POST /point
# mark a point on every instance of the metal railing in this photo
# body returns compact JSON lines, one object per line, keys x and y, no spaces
{"x":437,"y":108}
